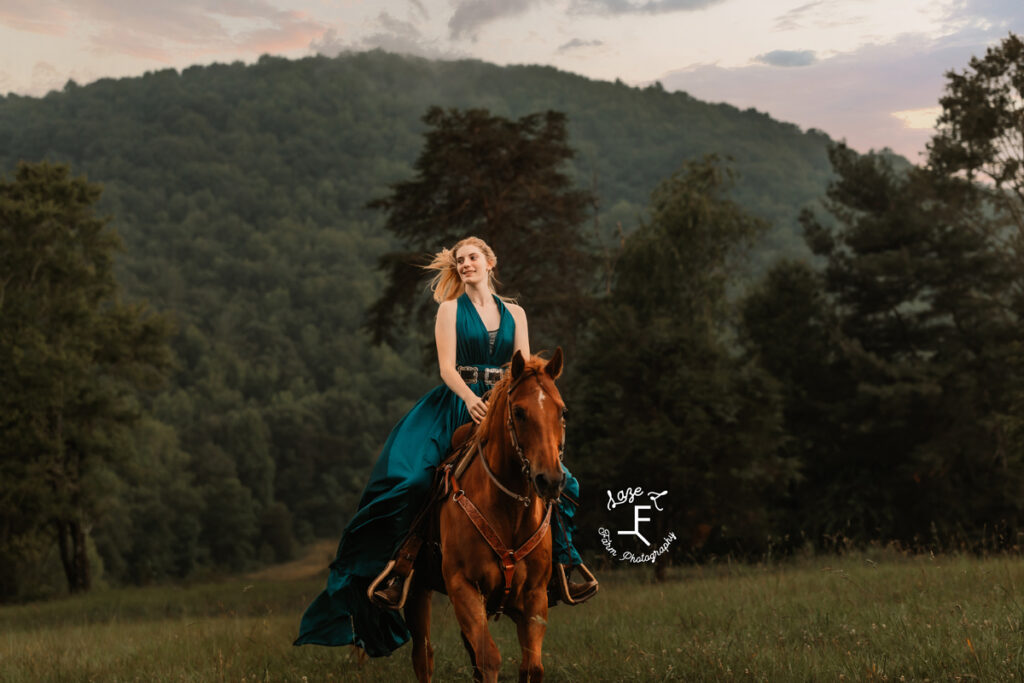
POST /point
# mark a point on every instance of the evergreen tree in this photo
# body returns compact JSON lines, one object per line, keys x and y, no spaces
{"x":895,"y":423}
{"x":505,"y":182}
{"x":981,"y":128}
{"x":981,"y":136}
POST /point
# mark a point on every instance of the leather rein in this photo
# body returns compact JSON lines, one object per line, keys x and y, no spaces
{"x":507,"y":557}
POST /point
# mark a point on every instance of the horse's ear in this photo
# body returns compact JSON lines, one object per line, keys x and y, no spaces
{"x":554,"y":366}
{"x":517,"y":364}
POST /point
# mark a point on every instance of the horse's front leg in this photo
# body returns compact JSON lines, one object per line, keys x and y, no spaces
{"x":472,"y":616}
{"x":417,"y":618}
{"x":530,"y":626}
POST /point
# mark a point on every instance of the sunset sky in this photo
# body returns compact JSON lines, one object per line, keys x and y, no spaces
{"x":869,"y":71}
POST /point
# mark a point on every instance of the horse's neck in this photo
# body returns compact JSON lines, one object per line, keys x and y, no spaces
{"x":512,"y":519}
{"x":501,"y":455}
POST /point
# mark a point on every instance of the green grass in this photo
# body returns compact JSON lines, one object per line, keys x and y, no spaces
{"x":850,"y":618}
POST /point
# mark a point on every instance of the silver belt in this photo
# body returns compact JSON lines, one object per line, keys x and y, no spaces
{"x":472,"y":374}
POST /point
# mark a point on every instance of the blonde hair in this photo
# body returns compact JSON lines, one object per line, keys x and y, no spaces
{"x":447,"y":284}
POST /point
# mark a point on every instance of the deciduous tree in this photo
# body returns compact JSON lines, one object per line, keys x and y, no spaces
{"x":73,"y":357}
{"x":662,"y":401}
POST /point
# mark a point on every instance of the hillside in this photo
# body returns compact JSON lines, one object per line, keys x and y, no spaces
{"x":346,"y":127}
{"x":239,"y":192}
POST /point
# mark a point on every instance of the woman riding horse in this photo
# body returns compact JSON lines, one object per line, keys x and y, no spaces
{"x":476,"y":333}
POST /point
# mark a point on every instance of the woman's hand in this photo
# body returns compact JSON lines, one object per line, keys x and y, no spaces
{"x":477,"y":408}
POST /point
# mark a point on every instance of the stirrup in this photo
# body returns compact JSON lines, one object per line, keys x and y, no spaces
{"x":390,"y":595}
{"x":575,"y":593}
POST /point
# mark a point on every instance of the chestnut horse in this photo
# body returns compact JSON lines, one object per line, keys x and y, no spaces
{"x":512,"y":483}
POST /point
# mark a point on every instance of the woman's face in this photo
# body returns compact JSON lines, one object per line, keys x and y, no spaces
{"x":472,"y":264}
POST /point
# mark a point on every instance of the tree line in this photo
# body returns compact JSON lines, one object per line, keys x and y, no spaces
{"x":239,"y":193}
{"x":870,"y":392}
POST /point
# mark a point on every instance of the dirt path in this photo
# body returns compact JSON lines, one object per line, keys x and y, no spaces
{"x":312,"y":562}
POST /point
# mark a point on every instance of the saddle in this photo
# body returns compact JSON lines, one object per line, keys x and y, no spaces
{"x":459,"y":458}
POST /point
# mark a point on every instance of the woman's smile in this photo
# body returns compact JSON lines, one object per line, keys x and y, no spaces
{"x":469,"y":263}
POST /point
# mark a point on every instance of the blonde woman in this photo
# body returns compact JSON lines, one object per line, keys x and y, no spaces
{"x":476,"y":333}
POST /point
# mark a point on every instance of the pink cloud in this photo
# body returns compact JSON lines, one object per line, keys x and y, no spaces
{"x":292,"y":31}
{"x":187,"y":22}
{"x":167,"y":31}
{"x":35,"y":16}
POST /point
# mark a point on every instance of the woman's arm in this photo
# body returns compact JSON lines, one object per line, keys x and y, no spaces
{"x":444,"y":336}
{"x":522,"y":338}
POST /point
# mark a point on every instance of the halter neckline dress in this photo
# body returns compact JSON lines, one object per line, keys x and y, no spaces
{"x":399,"y":483}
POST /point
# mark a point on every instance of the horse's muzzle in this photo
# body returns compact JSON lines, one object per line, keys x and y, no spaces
{"x":549,"y":487}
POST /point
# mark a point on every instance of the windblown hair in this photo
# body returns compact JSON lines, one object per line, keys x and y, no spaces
{"x":447,"y":284}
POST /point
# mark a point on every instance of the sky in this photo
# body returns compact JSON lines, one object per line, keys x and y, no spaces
{"x":867,"y":71}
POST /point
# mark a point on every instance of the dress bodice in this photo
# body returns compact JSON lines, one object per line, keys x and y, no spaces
{"x":472,"y":341}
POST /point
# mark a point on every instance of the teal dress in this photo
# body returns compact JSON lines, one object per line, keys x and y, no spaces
{"x":398,"y":487}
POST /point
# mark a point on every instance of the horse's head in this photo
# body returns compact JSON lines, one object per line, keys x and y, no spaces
{"x":535,"y":415}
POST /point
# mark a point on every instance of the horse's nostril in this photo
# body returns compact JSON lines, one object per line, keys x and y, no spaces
{"x":548,"y":483}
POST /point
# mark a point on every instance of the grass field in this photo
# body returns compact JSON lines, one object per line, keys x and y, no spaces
{"x":858,"y":617}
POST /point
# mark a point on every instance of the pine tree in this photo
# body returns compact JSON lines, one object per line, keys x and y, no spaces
{"x":910,"y":343}
{"x":503,"y":181}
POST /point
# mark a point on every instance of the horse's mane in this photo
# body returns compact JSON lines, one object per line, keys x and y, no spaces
{"x":499,"y":398}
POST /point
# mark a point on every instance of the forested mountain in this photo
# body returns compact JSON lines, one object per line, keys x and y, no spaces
{"x":345,"y":127}
{"x":240,"y":194}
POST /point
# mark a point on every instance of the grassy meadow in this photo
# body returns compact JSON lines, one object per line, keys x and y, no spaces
{"x":857,"y":617}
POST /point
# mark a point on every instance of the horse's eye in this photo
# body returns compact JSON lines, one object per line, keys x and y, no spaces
{"x":565,"y":413}
{"x":519,"y":413}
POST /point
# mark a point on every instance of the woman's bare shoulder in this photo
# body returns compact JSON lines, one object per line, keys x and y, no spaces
{"x":516,"y":310}
{"x":446,"y":309}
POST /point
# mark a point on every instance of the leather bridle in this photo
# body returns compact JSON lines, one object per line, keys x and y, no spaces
{"x":514,"y":438}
